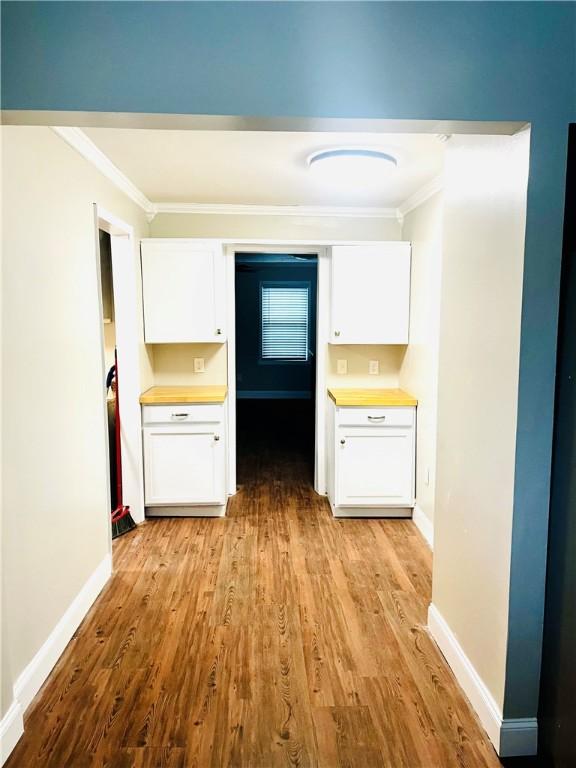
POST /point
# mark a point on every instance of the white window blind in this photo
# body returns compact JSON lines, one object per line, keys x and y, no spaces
{"x":284,"y":323}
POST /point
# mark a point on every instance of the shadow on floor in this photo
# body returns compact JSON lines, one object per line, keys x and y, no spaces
{"x":273,"y":433}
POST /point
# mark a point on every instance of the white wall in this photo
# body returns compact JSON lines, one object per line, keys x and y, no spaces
{"x":55,"y":530}
{"x":419,"y":370}
{"x":483,"y":254}
{"x":6,"y":678}
{"x":274,"y":227}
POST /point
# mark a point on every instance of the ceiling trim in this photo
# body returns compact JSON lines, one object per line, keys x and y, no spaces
{"x":188,"y":122}
{"x":77,"y":139}
{"x":420,"y":196}
{"x":277,"y":210}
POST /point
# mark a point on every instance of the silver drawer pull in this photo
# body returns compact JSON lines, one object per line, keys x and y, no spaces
{"x":179,"y":415}
{"x":376,"y":418}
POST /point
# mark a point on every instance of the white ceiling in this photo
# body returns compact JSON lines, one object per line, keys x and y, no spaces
{"x":261,"y":168}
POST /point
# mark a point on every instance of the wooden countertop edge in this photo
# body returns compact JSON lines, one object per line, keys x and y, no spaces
{"x":184,"y":395}
{"x":371,"y":397}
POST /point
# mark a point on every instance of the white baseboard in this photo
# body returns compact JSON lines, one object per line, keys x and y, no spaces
{"x":32,"y":678}
{"x":511,"y":738}
{"x":424,"y":525}
{"x":11,"y":728}
{"x":376,"y":512}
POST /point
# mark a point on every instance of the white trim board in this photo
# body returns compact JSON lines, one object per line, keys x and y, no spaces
{"x":420,"y":196}
{"x":79,"y":140}
{"x":125,"y":282}
{"x":226,"y":209}
{"x":512,"y":737}
{"x":424,"y":525}
{"x":11,"y":729}
{"x":232,"y":247}
{"x":249,"y":244}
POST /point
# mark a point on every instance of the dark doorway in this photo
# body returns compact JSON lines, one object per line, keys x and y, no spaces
{"x":557,"y":716}
{"x":109,"y":336}
{"x":275,"y":365}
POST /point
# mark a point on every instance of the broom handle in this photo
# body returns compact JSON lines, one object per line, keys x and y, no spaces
{"x":119,"y":500}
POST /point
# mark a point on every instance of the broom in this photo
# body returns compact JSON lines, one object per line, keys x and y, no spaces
{"x":122,"y":521}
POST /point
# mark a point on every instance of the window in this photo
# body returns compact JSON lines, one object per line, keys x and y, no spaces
{"x":284,"y":321}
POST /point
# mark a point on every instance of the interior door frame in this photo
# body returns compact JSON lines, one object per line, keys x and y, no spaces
{"x":322,"y":334}
{"x":124,"y":281}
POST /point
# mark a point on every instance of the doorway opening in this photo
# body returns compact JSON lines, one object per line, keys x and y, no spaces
{"x":109,"y":337}
{"x":116,"y":264}
{"x":276,"y":311}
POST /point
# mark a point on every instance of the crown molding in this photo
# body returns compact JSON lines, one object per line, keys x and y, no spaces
{"x":77,"y":139}
{"x":225,"y":209}
{"x":420,"y":196}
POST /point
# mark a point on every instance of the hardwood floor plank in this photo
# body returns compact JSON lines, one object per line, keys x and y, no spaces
{"x":277,"y":636}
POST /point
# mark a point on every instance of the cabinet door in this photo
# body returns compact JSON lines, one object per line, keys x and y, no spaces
{"x":183,"y":286}
{"x":370,"y":294}
{"x":375,"y":467}
{"x":183,"y":466}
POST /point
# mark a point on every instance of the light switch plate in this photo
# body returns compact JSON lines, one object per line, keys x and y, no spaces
{"x":342,"y":366}
{"x":374,"y":367}
{"x":199,"y":365}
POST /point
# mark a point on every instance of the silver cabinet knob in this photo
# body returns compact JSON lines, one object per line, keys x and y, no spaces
{"x":218,"y":331}
{"x":336,"y":333}
{"x":342,"y":442}
{"x":216,"y":437}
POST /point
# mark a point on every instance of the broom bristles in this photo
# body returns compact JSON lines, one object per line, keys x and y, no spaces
{"x":122,"y":522}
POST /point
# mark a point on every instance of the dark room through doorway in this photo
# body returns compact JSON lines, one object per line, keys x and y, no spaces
{"x":275,"y":366}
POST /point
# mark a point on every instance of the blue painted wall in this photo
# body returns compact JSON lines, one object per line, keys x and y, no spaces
{"x":431,"y":60}
{"x":412,"y":60}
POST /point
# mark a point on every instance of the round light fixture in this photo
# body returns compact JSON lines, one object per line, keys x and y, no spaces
{"x":353,"y":165}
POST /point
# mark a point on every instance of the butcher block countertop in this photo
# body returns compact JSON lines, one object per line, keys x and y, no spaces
{"x":366,"y":396}
{"x":168,"y":395}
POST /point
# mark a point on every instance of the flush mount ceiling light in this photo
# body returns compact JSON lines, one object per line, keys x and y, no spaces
{"x":353,"y":165}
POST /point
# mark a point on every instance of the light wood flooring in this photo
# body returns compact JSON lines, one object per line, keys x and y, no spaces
{"x":276,"y":636}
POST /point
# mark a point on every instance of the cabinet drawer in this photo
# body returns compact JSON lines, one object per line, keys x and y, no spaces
{"x":376,"y":417}
{"x":183,"y":414}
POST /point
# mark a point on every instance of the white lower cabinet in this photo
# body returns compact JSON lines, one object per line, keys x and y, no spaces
{"x":371,"y":461}
{"x":184,"y":460}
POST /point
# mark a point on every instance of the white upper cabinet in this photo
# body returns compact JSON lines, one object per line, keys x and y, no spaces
{"x":183,"y":284}
{"x":370,"y":294}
